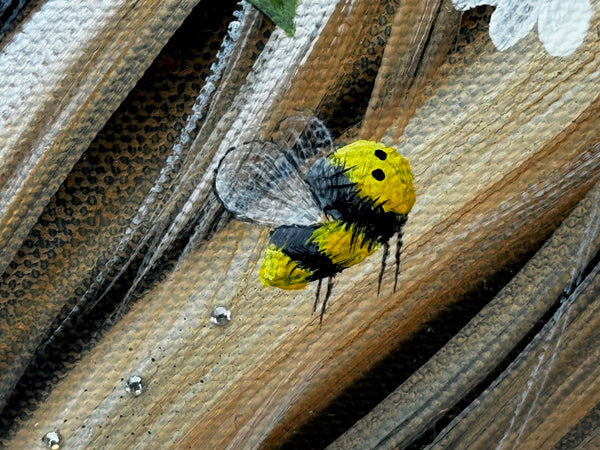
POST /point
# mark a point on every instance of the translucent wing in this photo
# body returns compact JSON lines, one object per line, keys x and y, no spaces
{"x":562,"y":25}
{"x":260,"y":182}
{"x":263,"y":182}
{"x":512,"y":20}
{"x":306,"y":137}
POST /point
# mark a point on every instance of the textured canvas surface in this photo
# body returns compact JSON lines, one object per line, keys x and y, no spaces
{"x":503,"y":145}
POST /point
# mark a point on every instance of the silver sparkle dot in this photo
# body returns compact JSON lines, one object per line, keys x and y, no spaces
{"x":52,"y":440}
{"x":221,"y":316}
{"x":135,"y":385}
{"x":234,"y":30}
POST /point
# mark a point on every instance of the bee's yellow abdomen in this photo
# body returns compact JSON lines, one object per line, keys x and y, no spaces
{"x":380,"y":174}
{"x":281,"y":271}
{"x":330,"y":247}
{"x":342,"y":244}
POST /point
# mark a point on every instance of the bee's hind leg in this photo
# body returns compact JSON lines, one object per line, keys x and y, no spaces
{"x":386,"y":251}
{"x":317,"y":296}
{"x":398,"y":253}
{"x":327,"y":295}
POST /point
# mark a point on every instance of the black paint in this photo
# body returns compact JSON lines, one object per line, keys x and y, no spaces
{"x":339,"y":199}
{"x":378,"y":174}
{"x":381,"y":154}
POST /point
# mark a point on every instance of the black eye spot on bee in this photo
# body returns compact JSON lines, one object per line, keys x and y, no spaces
{"x":378,"y":174}
{"x":381,"y":154}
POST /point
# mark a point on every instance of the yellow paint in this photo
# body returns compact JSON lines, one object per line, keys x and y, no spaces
{"x":279,"y":270}
{"x":336,"y":241}
{"x":396,"y":192}
{"x":340,"y":241}
{"x":333,"y":238}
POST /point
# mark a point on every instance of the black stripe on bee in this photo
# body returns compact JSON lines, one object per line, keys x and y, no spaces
{"x":295,"y":242}
{"x":339,"y":199}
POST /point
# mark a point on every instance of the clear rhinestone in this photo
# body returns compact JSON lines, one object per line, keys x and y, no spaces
{"x":221,"y":316}
{"x":135,"y":385}
{"x":52,"y":440}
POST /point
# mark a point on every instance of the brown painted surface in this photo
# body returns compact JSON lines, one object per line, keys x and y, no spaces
{"x":72,"y":99}
{"x":503,"y":146}
{"x":484,"y":343}
{"x":548,"y":391}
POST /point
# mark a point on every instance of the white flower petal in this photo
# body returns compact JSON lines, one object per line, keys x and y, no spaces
{"x":512,"y":20}
{"x":463,"y":5}
{"x":563,"y":25}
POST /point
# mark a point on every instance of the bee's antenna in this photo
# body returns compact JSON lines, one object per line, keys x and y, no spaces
{"x":327,"y":294}
{"x":398,"y":253}
{"x":317,"y":296}
{"x":386,"y":251}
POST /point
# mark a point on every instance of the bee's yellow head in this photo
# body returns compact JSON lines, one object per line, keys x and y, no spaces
{"x":380,"y":173}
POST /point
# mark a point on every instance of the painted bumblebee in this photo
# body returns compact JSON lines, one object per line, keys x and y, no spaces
{"x":328,"y":214}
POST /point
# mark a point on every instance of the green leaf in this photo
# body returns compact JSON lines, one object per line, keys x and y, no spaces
{"x":281,"y":12}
